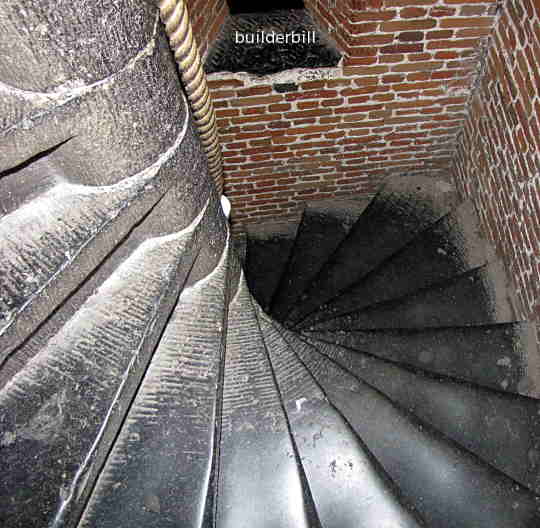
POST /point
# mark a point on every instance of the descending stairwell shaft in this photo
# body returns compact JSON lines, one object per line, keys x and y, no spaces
{"x":424,"y":366}
{"x":175,"y":16}
{"x":142,"y":385}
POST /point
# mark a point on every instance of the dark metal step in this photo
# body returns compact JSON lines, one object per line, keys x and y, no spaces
{"x":247,"y":43}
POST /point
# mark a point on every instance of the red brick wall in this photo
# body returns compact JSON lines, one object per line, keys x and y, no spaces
{"x":207,"y":17}
{"x":333,"y":17}
{"x":498,"y":155}
{"x":396,"y":104}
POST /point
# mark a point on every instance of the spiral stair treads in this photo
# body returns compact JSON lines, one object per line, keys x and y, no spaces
{"x":365,"y":369}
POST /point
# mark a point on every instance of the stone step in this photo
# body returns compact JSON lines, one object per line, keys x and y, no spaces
{"x":477,"y":297}
{"x":240,"y":245}
{"x":404,"y":207}
{"x":63,"y":408}
{"x":501,"y":356}
{"x":268,"y":250}
{"x":261,"y":481}
{"x":360,"y":493}
{"x":324,"y":224}
{"x":66,"y":208}
{"x":173,"y":422}
{"x":450,"y":247}
{"x":449,"y":485}
{"x":500,"y":428}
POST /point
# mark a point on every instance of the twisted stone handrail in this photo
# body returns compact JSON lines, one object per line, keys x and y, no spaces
{"x":175,"y":16}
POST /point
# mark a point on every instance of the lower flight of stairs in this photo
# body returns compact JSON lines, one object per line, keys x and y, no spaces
{"x":391,"y":327}
{"x":365,"y":369}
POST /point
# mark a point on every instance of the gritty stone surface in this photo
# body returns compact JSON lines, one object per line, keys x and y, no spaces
{"x":103,"y":38}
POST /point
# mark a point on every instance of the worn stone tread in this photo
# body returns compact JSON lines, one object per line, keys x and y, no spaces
{"x":479,"y":296}
{"x":177,"y":408}
{"x":501,"y":429}
{"x":448,"y":248}
{"x":62,"y":411}
{"x":268,"y":249}
{"x":323,"y":226}
{"x":257,"y":454}
{"x":403,"y":207}
{"x":361,"y":493}
{"x":450,"y":486}
{"x":501,"y":356}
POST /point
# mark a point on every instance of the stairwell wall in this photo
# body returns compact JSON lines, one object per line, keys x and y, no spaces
{"x":207,"y":17}
{"x":498,"y":155}
{"x":394,"y":105}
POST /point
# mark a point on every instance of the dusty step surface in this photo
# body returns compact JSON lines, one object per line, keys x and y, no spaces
{"x":261,"y":480}
{"x":324,"y":224}
{"x":348,"y":486}
{"x":450,"y":486}
{"x":72,"y":386}
{"x":207,"y":224}
{"x":480,"y":296}
{"x":447,"y":248}
{"x":268,"y":250}
{"x":501,"y":429}
{"x":471,"y":494}
{"x":57,"y":232}
{"x":501,"y":356}
{"x":161,"y":465}
{"x":240,"y":245}
{"x":401,"y":209}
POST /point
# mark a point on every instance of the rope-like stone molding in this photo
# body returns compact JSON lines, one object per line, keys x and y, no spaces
{"x":175,"y":16}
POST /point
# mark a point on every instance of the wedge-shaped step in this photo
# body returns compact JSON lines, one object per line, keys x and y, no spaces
{"x":448,"y":248}
{"x":503,"y":429}
{"x":479,"y":296}
{"x":451,"y":487}
{"x":261,"y":482}
{"x":403,"y":208}
{"x":51,"y":243}
{"x":107,"y":121}
{"x":61,"y":412}
{"x":164,"y":462}
{"x":40,"y":242}
{"x":324,"y":225}
{"x":349,"y":487}
{"x":268,"y":249}
{"x":502,"y":356}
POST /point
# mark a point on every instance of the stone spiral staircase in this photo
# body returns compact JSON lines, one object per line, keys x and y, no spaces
{"x":380,"y":379}
{"x":385,"y":385}
{"x":398,"y":361}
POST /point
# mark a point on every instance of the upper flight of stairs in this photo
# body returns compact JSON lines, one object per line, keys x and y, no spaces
{"x":366,"y":369}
